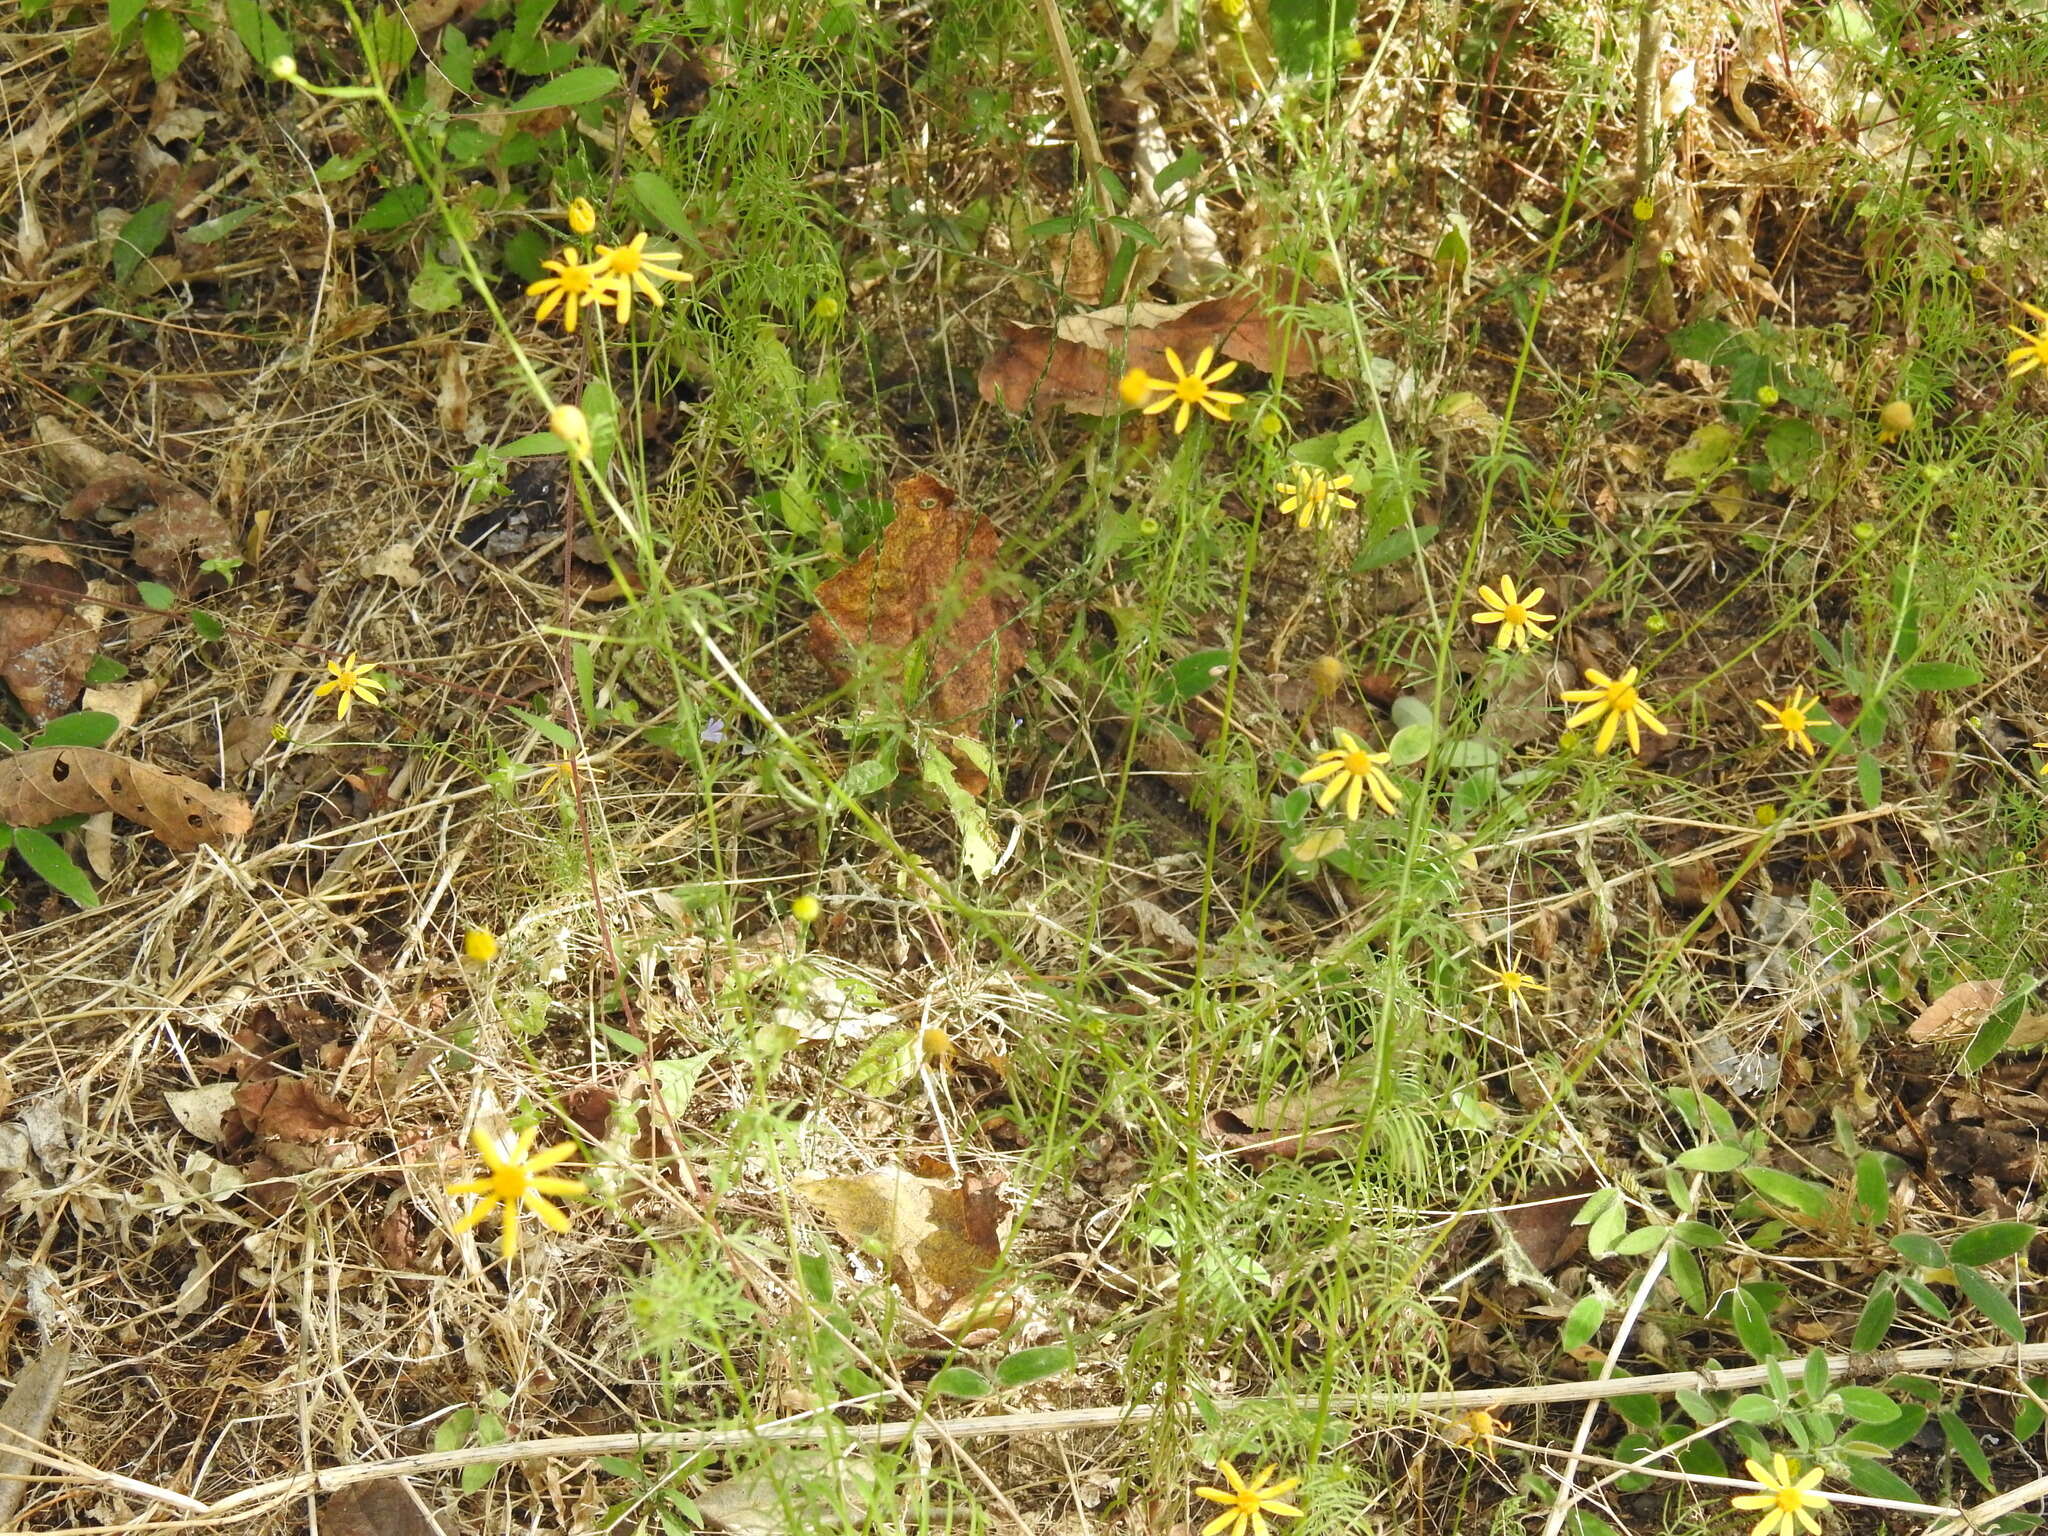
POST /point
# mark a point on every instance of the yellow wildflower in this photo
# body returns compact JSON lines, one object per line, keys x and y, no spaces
{"x":563,"y":775}
{"x":1617,"y":700}
{"x":1894,"y":421}
{"x":2035,"y":353}
{"x":1478,"y":1427}
{"x":1313,"y":494}
{"x":574,"y":285}
{"x":582,"y":217}
{"x":1515,"y":613}
{"x":1795,"y":717}
{"x":349,"y":680}
{"x":806,"y":909}
{"x":1786,"y":1498}
{"x":1248,"y":1503}
{"x":570,"y":424}
{"x":1511,"y":984}
{"x":480,"y":945}
{"x":1136,"y":386}
{"x":1191,"y":390}
{"x":516,"y":1180}
{"x":630,"y":268}
{"x":1351,"y":771}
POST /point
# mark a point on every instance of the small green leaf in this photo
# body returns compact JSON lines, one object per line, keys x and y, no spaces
{"x":1469,"y":752}
{"x":139,"y":236}
{"x":1715,"y":1157}
{"x":1177,"y":171}
{"x":9,"y":741}
{"x":1689,"y":1278}
{"x":1753,"y":1325}
{"x":1877,"y":1480}
{"x":1197,"y":674}
{"x":205,"y":625}
{"x":1029,"y":1365}
{"x":436,"y":289}
{"x":1705,"y":456}
{"x":1697,"y":1234}
{"x":1998,"y":1026}
{"x":1789,"y":1190}
{"x":1917,"y":1248}
{"x":1869,"y":781}
{"x":1697,"y":1407}
{"x":41,"y":853}
{"x":163,"y":44}
{"x":121,"y":14}
{"x":1991,"y":1301}
{"x":1753,"y":1408}
{"x":83,"y":728}
{"x":102,"y":670}
{"x":1642,"y":1240}
{"x":452,"y":1433}
{"x":1605,"y":1231}
{"x":1867,"y":1405}
{"x":600,"y":407}
{"x":815,"y":1270}
{"x":1967,"y":1450}
{"x":1394,"y":548}
{"x":1411,"y":744}
{"x":396,"y":208}
{"x":1936,"y":676}
{"x":1583,"y":1322}
{"x":211,"y":231}
{"x":569,"y":89}
{"x":1989,"y":1244}
{"x":869,"y":776}
{"x":1792,"y":448}
{"x":961,"y":1381}
{"x":535,"y":445}
{"x":1873,"y":1189}
{"x":1875,"y":1321}
{"x":1894,"y":1433}
{"x":1814,"y":1375}
{"x":155,"y":594}
{"x":1923,"y":1297}
{"x":886,"y":1063}
{"x":658,"y":200}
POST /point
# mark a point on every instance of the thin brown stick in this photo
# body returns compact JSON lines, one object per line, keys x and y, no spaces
{"x":1077,"y":96}
{"x":244,"y":1502}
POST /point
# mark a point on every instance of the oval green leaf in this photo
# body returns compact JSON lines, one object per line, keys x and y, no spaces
{"x":961,"y":1381}
{"x":41,"y":853}
{"x":1029,"y":1365}
{"x":570,"y":89}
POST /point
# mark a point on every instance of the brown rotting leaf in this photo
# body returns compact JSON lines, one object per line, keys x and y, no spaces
{"x":44,"y":783}
{"x":930,"y":581}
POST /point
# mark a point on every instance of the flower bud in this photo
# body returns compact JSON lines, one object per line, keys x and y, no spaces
{"x":582,"y":217}
{"x":570,"y":424}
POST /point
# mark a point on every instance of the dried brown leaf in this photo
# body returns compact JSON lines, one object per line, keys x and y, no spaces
{"x":40,"y":785}
{"x":292,"y":1109}
{"x":173,"y":527}
{"x":941,"y":1243}
{"x":46,"y":642}
{"x":1077,"y":363}
{"x":25,"y":1421}
{"x":1956,"y":1014}
{"x":1309,"y":1123}
{"x":930,"y":583}
{"x":386,"y":1507}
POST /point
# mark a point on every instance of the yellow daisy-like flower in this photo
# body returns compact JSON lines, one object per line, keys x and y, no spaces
{"x":582,"y":217}
{"x":1786,"y":1498}
{"x":1190,"y":390}
{"x":1614,"y":702}
{"x":348,"y":681}
{"x":575,"y":284}
{"x":563,"y":775}
{"x":1248,"y":1503}
{"x":1795,"y":717}
{"x":1477,"y":1428}
{"x":480,"y":945}
{"x":1511,"y":984}
{"x":632,"y":267}
{"x":2035,"y":353}
{"x":1515,"y":613}
{"x":517,"y":1181}
{"x":1351,"y":771}
{"x":1313,"y":495}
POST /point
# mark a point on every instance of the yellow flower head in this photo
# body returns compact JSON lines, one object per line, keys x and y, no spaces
{"x":1795,"y":717}
{"x":1515,"y":613}
{"x":806,"y":909}
{"x":565,"y":775}
{"x":1136,"y":387}
{"x":2035,"y":353}
{"x":1190,"y":390}
{"x":570,"y":424}
{"x":582,"y":217}
{"x":1786,"y":1498}
{"x":1894,"y":421}
{"x":1614,"y":702}
{"x":480,"y":945}
{"x":1248,"y":1503}
{"x":574,"y":284}
{"x":632,"y":267}
{"x":1351,"y":771}
{"x":1511,"y":984}
{"x":516,"y":1181}
{"x":1478,"y":1427}
{"x":1313,"y":494}
{"x":348,"y":681}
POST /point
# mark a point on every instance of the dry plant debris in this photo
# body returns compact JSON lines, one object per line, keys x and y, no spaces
{"x":44,"y":783}
{"x":930,"y":601}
